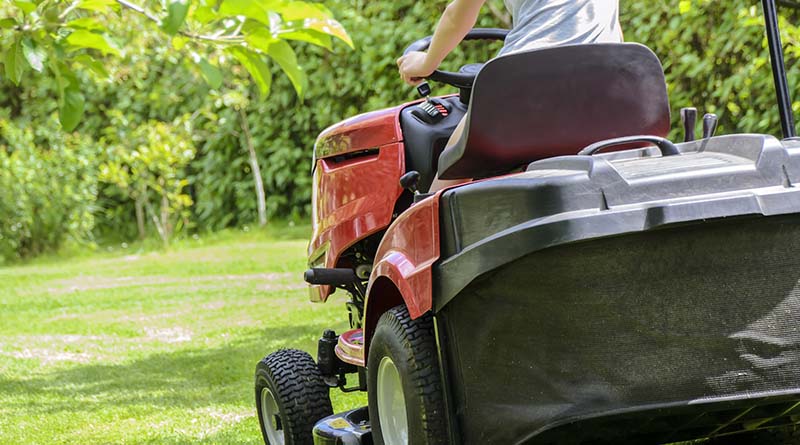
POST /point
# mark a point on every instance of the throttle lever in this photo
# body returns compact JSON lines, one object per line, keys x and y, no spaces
{"x":689,"y":121}
{"x":710,"y":122}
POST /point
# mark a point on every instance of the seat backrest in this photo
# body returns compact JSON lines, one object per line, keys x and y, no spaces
{"x":555,"y":101}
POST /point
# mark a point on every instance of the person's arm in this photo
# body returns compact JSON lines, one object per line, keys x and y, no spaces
{"x":457,"y":20}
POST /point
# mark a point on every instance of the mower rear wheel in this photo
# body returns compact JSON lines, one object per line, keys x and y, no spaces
{"x":406,"y":403}
{"x":290,"y":397}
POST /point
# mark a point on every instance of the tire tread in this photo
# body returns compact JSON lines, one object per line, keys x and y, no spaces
{"x":418,"y":337}
{"x":302,"y":395}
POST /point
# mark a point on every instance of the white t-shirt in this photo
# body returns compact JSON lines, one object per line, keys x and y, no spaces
{"x":542,"y":23}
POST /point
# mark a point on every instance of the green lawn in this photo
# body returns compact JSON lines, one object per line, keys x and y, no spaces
{"x":153,"y":347}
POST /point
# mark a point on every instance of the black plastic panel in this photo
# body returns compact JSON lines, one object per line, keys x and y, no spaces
{"x":678,"y":317}
{"x":424,"y":142}
{"x":738,"y":421}
{"x":576,"y":198}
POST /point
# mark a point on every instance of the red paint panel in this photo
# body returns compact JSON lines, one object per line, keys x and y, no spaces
{"x":406,"y":254}
{"x":352,"y":200}
{"x":362,"y":132}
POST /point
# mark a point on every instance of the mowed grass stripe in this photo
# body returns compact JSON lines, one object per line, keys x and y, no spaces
{"x":145,"y":348}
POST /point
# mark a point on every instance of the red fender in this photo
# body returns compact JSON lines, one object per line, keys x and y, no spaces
{"x":402,"y":272}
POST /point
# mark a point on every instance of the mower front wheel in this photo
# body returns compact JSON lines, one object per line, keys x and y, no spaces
{"x":290,"y":397}
{"x":406,"y":403}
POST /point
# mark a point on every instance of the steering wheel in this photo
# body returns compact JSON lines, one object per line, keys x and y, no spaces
{"x":458,"y":80}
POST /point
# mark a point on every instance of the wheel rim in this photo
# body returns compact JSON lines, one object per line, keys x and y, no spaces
{"x":391,"y":404}
{"x":271,"y":418}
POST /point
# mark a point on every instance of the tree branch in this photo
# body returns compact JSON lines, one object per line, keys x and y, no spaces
{"x":140,"y":10}
{"x":69,"y":9}
{"x":499,"y":14}
{"x":152,"y":17}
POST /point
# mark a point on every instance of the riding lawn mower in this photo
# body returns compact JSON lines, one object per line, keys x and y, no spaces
{"x":589,"y":281}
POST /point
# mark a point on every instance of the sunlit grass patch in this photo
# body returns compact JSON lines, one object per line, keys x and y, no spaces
{"x":152,"y":347}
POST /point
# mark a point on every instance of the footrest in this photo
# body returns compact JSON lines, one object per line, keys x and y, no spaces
{"x":349,"y":428}
{"x":350,"y":348}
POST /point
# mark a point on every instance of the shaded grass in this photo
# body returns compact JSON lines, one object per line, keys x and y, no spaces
{"x":152,"y":347}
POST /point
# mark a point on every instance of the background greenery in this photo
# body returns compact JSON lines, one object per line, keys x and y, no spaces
{"x":57,"y":187}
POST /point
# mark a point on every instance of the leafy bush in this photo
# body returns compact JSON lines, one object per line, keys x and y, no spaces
{"x":147,"y":164}
{"x":714,"y":54}
{"x":47,"y":193}
{"x":715,"y":57}
{"x":341,"y":84}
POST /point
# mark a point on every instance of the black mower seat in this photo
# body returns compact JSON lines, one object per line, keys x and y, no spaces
{"x":555,"y":101}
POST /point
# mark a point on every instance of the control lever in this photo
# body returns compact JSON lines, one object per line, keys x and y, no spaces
{"x":410,"y":181}
{"x":432,"y":111}
{"x":689,"y":120}
{"x":424,"y":90}
{"x":710,"y":122}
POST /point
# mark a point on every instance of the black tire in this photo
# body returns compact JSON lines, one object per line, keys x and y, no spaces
{"x":302,"y":398}
{"x":411,"y":346}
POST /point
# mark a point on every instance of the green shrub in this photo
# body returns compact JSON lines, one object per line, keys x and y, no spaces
{"x":147,"y":164}
{"x":715,"y":57}
{"x":341,"y":84}
{"x":47,"y":193}
{"x":714,"y":54}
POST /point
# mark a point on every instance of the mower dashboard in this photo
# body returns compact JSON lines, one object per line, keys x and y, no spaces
{"x":427,"y":126}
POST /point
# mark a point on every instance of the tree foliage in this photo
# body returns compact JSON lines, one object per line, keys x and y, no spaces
{"x":146,"y":163}
{"x":46,"y":196}
{"x":59,"y":37}
{"x":714,"y":55}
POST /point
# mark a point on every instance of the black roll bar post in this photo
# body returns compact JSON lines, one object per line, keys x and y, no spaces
{"x":779,"y":68}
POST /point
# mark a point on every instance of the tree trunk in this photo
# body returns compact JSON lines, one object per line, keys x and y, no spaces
{"x":258,"y":181}
{"x":139,"y":205}
{"x":165,"y":223}
{"x":157,"y":222}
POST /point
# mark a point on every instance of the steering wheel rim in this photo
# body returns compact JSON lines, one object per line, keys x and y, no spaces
{"x":458,"y":80}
